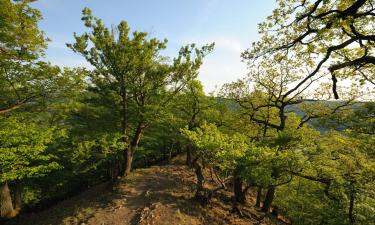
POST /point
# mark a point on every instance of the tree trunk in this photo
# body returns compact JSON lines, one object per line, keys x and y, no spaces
{"x":124,"y":126}
{"x":129,"y":152}
{"x":268,"y":200}
{"x":200,"y":179}
{"x":178,"y":148}
{"x":128,"y":161}
{"x":282,"y":118}
{"x":351,"y":209}
{"x":275,"y":211}
{"x":6,"y":206}
{"x":189,"y":155}
{"x":189,"y":150}
{"x":125,"y":139}
{"x":114,"y":169}
{"x":201,"y":195}
{"x":18,"y":195}
{"x":259,"y":197}
{"x":239,"y":195}
{"x":170,"y":152}
{"x":145,"y":161}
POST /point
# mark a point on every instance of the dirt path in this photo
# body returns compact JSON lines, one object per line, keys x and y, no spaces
{"x":160,"y":195}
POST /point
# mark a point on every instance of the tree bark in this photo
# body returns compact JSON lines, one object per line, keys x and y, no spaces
{"x":268,"y":200}
{"x":259,"y":197}
{"x":239,"y":195}
{"x":6,"y":206}
{"x":18,"y":195}
{"x":115,"y":169}
{"x":124,"y":126}
{"x":128,"y":161}
{"x":129,"y":152}
{"x":189,"y":151}
{"x":200,"y":179}
{"x":200,"y":193}
{"x":351,"y":209}
{"x":189,"y":157}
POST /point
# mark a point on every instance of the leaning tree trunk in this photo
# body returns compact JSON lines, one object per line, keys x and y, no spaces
{"x":270,"y":193}
{"x":129,"y":151}
{"x":268,"y":199}
{"x":6,"y":206}
{"x":259,"y":197}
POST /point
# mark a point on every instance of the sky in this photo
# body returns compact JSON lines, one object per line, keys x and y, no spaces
{"x":231,"y":24}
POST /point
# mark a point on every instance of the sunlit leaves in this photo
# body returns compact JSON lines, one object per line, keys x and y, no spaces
{"x":23,"y":148}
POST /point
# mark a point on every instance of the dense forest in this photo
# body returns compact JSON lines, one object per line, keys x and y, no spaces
{"x":298,"y":130}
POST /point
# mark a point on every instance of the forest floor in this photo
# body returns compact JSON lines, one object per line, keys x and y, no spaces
{"x":159,"y":195}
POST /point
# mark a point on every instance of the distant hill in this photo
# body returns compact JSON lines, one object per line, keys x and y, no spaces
{"x":297,"y":109}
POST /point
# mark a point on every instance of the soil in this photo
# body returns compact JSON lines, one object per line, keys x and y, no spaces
{"x":159,"y":195}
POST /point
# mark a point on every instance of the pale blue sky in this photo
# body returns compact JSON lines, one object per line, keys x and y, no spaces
{"x":232,"y":24}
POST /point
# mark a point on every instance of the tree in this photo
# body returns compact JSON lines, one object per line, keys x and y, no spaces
{"x":214,"y":149}
{"x":334,"y":185}
{"x":267,"y":97}
{"x":338,"y":34}
{"x":22,"y":78}
{"x":27,"y":88}
{"x":22,"y":155}
{"x":320,"y":35}
{"x":191,"y":103}
{"x":130,"y":70}
{"x":28,"y":130}
{"x":20,"y":37}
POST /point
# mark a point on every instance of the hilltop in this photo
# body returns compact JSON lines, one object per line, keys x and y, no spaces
{"x":158,"y":195}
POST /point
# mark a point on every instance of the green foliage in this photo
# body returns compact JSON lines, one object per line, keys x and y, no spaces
{"x":131,"y":77}
{"x":332,"y":36}
{"x":20,"y":37}
{"x":216,"y":148}
{"x":90,"y":155}
{"x":336,"y":170}
{"x":78,"y":126}
{"x":23,"y":148}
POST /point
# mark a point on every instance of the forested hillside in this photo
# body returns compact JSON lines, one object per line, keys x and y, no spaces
{"x":292,"y":142}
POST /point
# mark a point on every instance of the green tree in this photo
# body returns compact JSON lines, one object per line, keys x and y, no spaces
{"x":267,"y":97}
{"x":30,"y":93}
{"x":338,"y":34}
{"x":334,"y":185}
{"x":22,"y":78}
{"x":130,"y":70}
{"x":213,"y":149}
{"x":20,"y":37}
{"x":23,"y":146}
{"x":191,"y":103}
